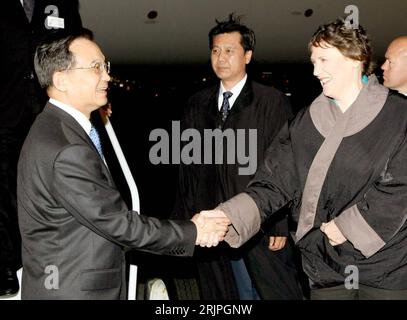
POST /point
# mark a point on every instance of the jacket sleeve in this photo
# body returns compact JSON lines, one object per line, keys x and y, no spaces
{"x":276,"y":182}
{"x":274,"y":185}
{"x":280,"y":110}
{"x":83,"y":189}
{"x":379,"y":216}
{"x":277,"y":225}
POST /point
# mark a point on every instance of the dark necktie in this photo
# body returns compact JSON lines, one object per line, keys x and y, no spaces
{"x":28,"y":6}
{"x":224,"y":110}
{"x":94,"y":136}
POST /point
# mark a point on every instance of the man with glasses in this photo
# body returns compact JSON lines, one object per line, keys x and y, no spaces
{"x":75,"y":226}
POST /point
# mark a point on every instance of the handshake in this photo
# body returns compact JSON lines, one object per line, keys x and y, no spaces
{"x":211,"y":227}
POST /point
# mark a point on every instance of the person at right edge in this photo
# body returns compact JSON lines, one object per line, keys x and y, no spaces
{"x":395,"y":66}
{"x":341,"y":165}
{"x":265,"y":267}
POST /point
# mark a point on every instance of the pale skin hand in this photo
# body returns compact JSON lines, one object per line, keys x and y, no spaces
{"x":210,"y":230}
{"x":215,"y":213}
{"x":277,"y":243}
{"x":333,"y":233}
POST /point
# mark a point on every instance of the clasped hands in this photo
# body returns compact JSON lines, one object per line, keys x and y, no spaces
{"x":211,"y":227}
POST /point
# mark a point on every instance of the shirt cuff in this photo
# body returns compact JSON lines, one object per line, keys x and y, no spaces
{"x":245,"y":217}
{"x":355,"y":228}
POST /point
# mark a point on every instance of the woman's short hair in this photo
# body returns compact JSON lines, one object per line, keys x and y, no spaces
{"x":353,"y":43}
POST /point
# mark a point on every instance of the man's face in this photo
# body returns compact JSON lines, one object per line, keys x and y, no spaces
{"x":86,"y":89}
{"x":229,"y":59}
{"x":395,"y":66}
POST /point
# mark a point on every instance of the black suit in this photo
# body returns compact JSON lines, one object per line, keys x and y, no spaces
{"x":73,"y":218}
{"x":21,"y":99}
{"x":205,"y":186}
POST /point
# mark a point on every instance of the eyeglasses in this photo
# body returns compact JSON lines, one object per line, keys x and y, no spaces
{"x":98,"y":67}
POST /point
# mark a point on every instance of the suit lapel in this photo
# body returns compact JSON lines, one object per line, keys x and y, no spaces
{"x":212,"y":105}
{"x":70,"y":122}
{"x":244,"y":99}
{"x":16,"y":10}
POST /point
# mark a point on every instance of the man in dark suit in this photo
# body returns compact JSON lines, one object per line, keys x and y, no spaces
{"x":264,"y":267}
{"x":75,"y":227}
{"x":21,"y":99}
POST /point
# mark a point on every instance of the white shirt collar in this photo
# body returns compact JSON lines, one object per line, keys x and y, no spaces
{"x":76,"y":114}
{"x":235,"y":90}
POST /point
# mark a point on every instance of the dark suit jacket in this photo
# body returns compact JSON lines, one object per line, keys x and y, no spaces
{"x":204,"y":186}
{"x":73,"y":219}
{"x":20,"y":93}
{"x":259,"y":107}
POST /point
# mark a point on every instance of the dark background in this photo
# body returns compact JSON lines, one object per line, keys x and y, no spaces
{"x":144,"y":98}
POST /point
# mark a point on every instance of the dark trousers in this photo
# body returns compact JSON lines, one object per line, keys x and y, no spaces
{"x":244,"y":284}
{"x":362,"y":293}
{"x":215,"y":274}
{"x":11,"y":141}
{"x":274,"y":273}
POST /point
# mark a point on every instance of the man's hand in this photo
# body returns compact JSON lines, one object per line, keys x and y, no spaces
{"x":211,"y":229}
{"x":277,"y":243}
{"x":334,"y":235}
{"x":215,"y":213}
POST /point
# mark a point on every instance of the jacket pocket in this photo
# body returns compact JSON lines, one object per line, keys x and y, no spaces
{"x":99,"y":279}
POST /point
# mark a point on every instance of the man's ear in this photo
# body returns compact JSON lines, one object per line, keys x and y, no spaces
{"x":59,"y":81}
{"x":248,"y":56}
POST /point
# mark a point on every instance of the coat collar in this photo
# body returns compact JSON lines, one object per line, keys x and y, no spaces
{"x":67,"y":119}
{"x":371,"y":99}
{"x":244,"y":99}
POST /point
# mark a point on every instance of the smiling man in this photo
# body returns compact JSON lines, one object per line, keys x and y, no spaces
{"x":74,"y":224}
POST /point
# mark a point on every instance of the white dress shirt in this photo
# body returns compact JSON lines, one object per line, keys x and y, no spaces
{"x":235,"y":90}
{"x":83,"y":121}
